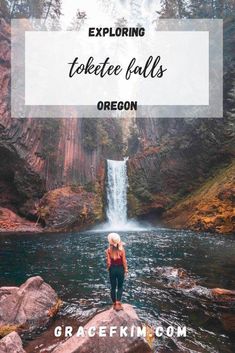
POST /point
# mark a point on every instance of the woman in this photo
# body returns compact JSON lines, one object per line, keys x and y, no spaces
{"x":117,"y":267}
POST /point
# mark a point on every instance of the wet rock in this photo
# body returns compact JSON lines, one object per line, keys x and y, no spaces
{"x":115,"y":344}
{"x":175,"y":277}
{"x":228,"y":322}
{"x":222,"y":291}
{"x":11,"y":344}
{"x":70,"y":208}
{"x":223,"y":295}
{"x":28,"y":306}
{"x":179,"y":278}
{"x":11,"y":222}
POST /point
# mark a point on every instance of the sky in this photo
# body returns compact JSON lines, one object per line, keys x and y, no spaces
{"x":96,"y":9}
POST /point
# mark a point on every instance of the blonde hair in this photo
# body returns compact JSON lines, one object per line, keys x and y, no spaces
{"x":116,"y":251}
{"x":115,"y":245}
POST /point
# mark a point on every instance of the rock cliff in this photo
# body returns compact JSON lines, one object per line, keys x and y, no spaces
{"x":71,"y":208}
{"x":209,"y":208}
{"x":174,"y":159}
{"x":169,"y":159}
{"x":39,"y":155}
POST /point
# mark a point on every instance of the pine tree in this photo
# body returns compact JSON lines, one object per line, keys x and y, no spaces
{"x":4,"y":9}
{"x":174,"y":9}
{"x":77,"y":21}
{"x":121,"y":22}
{"x":49,"y":9}
{"x":52,"y":13}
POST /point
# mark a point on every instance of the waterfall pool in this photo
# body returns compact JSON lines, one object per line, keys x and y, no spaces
{"x":74,"y":265}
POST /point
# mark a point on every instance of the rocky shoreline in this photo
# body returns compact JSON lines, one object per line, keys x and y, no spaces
{"x":11,"y":222}
{"x":27,"y":307}
{"x":34,"y":304}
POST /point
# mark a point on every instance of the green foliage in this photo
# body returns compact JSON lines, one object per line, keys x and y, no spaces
{"x":173,"y":9}
{"x":134,"y":204}
{"x":90,"y":187}
{"x":141,"y":187}
{"x":78,"y":21}
{"x":4,"y":9}
{"x":31,"y":9}
{"x":75,"y":187}
{"x":197,"y":8}
{"x":143,"y":194}
{"x":102,"y":133}
{"x":89,"y":134}
{"x":133,"y":140}
{"x":121,"y":22}
{"x":24,"y":8}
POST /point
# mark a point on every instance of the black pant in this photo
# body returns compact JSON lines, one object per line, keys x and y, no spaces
{"x":116,"y":275}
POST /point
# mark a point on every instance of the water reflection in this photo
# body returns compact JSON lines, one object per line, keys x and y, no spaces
{"x":74,"y":265}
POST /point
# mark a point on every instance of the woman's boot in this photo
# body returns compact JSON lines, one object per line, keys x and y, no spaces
{"x":118,"y":306}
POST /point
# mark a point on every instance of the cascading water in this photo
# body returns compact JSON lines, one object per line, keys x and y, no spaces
{"x":116,"y":211}
{"x":117,"y":183}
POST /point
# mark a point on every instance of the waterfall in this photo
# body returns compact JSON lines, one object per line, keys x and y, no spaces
{"x":117,"y":183}
{"x":116,"y":191}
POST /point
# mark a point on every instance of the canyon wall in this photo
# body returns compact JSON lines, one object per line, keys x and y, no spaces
{"x":169,"y":159}
{"x":173,"y":161}
{"x":39,"y":155}
{"x":172,"y":158}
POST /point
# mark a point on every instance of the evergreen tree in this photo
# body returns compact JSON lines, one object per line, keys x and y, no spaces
{"x":121,"y":22}
{"x":52,"y":13}
{"x":4,"y":9}
{"x":211,"y":9}
{"x":49,"y":9}
{"x":77,"y":21}
{"x":174,"y":9}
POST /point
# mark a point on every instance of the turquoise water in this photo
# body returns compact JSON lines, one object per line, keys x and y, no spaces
{"x":74,"y":265}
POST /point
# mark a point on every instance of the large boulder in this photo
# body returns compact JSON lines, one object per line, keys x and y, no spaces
{"x":70,"y":208}
{"x":11,"y":344}
{"x":28,"y":306}
{"x":115,"y":344}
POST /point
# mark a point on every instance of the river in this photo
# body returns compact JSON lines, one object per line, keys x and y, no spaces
{"x":74,"y":265}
